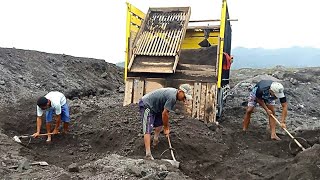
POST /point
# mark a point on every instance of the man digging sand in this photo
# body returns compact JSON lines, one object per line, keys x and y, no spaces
{"x":265,"y":93}
{"x":54,"y":103}
{"x":154,"y":109}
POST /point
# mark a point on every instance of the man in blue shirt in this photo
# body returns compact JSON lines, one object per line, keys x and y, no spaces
{"x":265,"y":93}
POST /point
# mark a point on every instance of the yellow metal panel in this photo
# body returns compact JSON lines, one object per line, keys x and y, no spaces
{"x":200,"y":34}
{"x":134,"y":28}
{"x":193,"y":38}
{"x":221,"y":45}
{"x":128,"y":24}
{"x":136,"y":11}
{"x":132,"y":12}
{"x":135,"y":20}
{"x":193,"y":42}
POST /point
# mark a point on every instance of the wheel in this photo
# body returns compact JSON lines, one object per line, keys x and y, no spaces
{"x":220,"y":103}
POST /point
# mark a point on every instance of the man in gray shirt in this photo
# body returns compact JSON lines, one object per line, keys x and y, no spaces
{"x":154,"y":109}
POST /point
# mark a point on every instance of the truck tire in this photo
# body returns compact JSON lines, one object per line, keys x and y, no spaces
{"x":220,"y":103}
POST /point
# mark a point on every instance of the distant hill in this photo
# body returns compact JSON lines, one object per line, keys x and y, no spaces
{"x":288,"y":57}
{"x":120,"y":64}
{"x":265,"y":58}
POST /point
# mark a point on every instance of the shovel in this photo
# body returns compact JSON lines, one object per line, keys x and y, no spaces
{"x":173,"y":162}
{"x":25,"y":165}
{"x":17,"y":138}
{"x":285,"y":129}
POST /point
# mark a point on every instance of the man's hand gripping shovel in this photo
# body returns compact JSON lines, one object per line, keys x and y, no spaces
{"x":18,"y":138}
{"x":293,"y":138}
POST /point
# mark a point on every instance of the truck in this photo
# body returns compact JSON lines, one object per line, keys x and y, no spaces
{"x":165,"y":49}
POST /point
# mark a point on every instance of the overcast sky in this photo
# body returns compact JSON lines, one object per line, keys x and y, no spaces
{"x":96,"y":28}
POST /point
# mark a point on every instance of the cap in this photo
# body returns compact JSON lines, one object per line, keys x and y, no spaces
{"x":277,"y":88}
{"x":42,"y":101}
{"x":186,"y":88}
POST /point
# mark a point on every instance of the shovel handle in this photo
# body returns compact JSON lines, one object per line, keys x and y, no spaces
{"x":29,"y":136}
{"x":171,"y":149}
{"x":285,"y":129}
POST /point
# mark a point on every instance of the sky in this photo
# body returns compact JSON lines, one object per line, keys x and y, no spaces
{"x":96,"y":28}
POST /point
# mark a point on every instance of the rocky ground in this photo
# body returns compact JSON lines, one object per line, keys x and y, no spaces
{"x":105,"y":141}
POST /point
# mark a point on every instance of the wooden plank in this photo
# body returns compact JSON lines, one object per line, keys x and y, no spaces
{"x":198,"y":73}
{"x":138,"y":88}
{"x":213,"y":102}
{"x":196,"y":67}
{"x":203,"y":100}
{"x":152,"y":64}
{"x":131,"y":61}
{"x":153,"y":84}
{"x":196,"y":100}
{"x":175,"y":63}
{"x":209,"y":102}
{"x":128,"y":92}
{"x":152,"y":70}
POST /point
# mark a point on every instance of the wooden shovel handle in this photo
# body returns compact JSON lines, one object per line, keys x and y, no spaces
{"x":171,"y":149}
{"x":29,"y":136}
{"x":46,"y":134}
{"x":285,"y":129}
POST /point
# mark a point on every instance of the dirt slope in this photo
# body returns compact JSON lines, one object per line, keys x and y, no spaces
{"x":30,"y":73}
{"x":105,"y":141}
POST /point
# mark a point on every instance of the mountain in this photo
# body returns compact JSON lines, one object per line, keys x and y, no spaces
{"x":263,"y":58}
{"x":266,"y":58}
{"x":120,"y":64}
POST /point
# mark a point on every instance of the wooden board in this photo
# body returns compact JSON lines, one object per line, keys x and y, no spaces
{"x":196,"y":100}
{"x":128,"y":92}
{"x":153,"y":84}
{"x":188,"y":104}
{"x":203,"y":100}
{"x":209,"y":103}
{"x":138,"y":88}
{"x":213,"y":102}
{"x":152,"y":64}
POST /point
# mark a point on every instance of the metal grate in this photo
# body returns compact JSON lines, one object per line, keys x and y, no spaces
{"x":161,"y":35}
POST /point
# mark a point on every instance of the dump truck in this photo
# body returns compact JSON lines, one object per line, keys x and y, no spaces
{"x":165,"y":49}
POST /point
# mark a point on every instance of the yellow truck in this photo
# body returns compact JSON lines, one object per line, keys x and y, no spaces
{"x":163,"y":49}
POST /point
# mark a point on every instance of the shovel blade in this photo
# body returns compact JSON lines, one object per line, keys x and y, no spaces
{"x":41,"y":163}
{"x":17,"y":139}
{"x":175,"y":164}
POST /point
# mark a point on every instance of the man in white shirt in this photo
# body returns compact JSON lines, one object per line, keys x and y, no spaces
{"x":54,"y":103}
